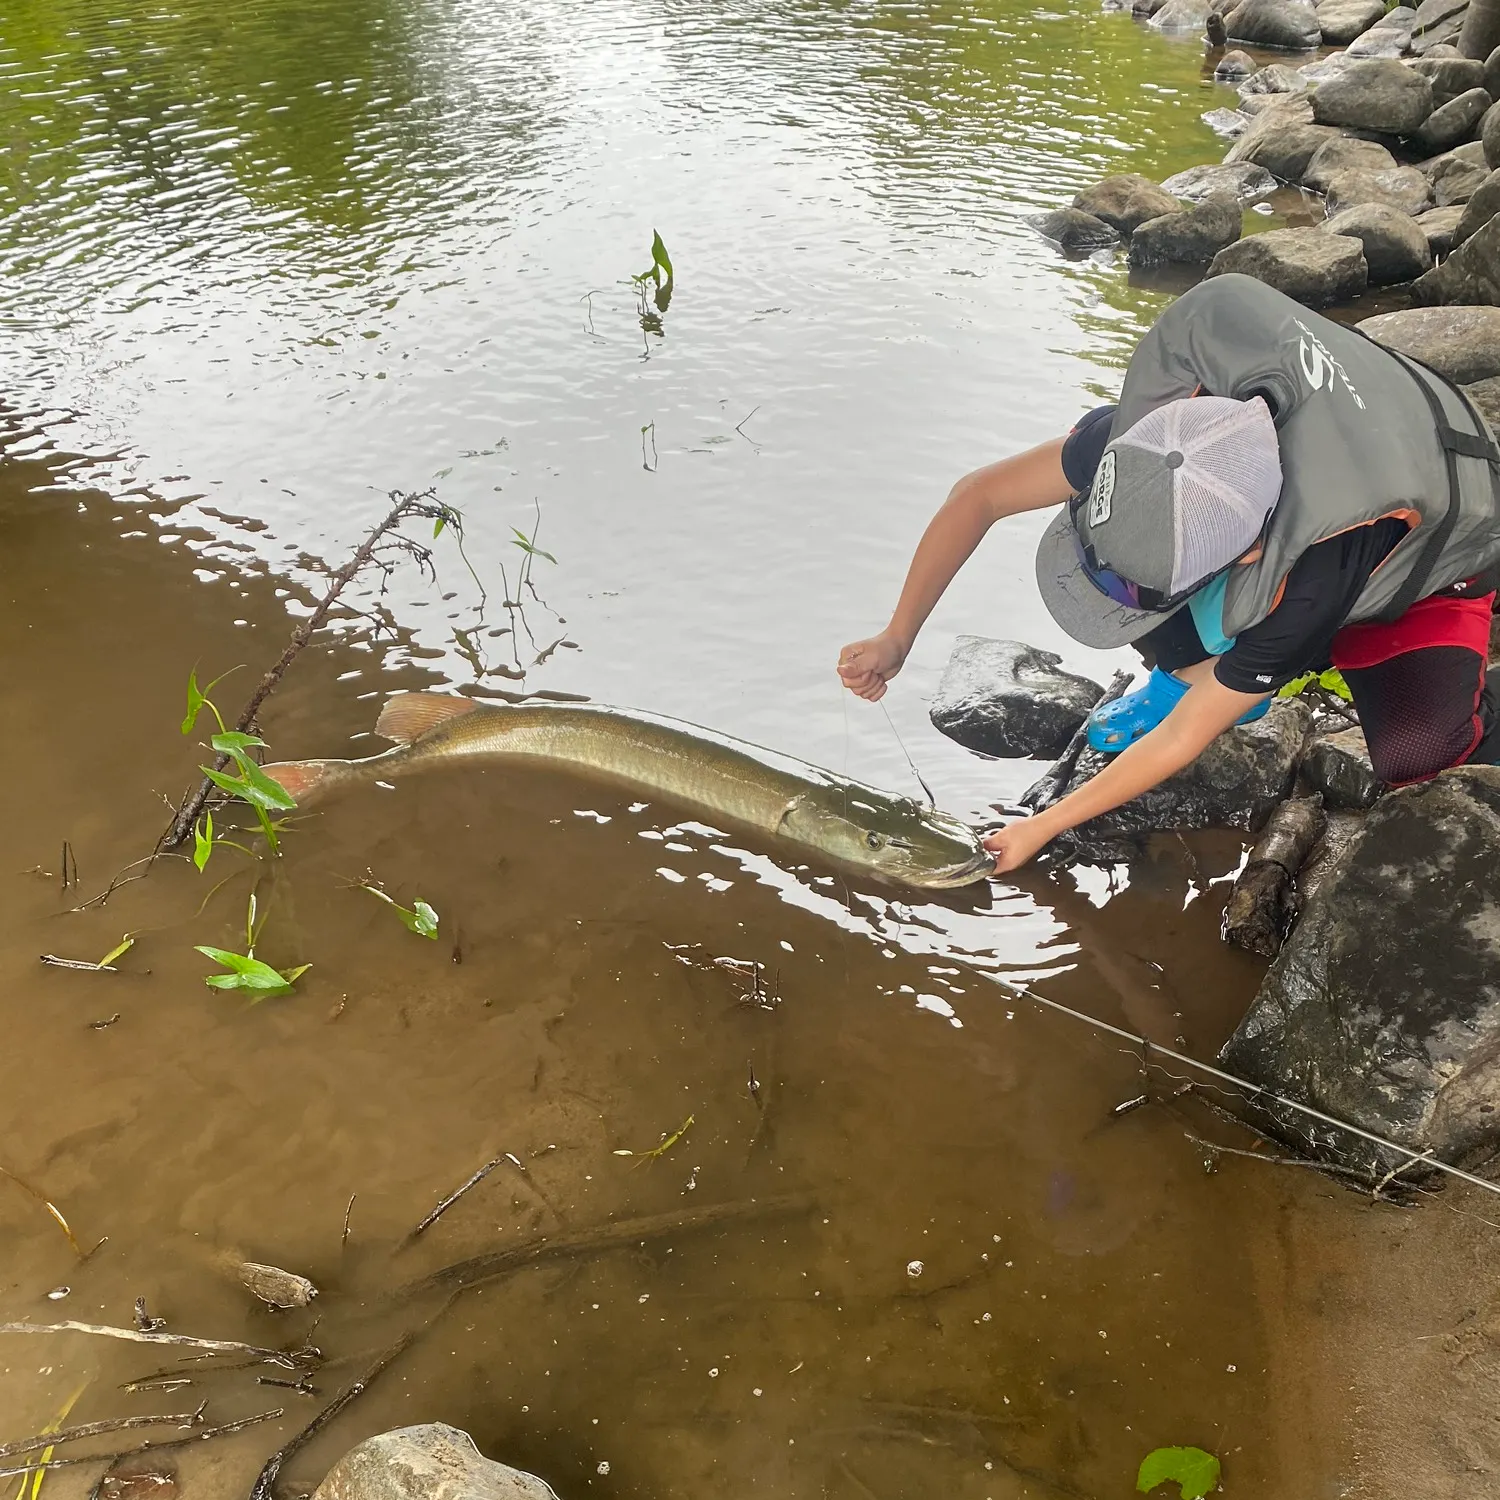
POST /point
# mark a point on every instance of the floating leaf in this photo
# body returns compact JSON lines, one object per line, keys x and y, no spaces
{"x":123,"y":947}
{"x":249,"y":974}
{"x":203,"y":840}
{"x":422,"y":920}
{"x":1195,"y":1471}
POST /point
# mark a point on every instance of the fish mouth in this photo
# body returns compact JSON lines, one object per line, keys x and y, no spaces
{"x":978,"y":867}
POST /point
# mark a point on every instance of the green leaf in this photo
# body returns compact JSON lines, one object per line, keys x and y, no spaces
{"x":437,"y":527}
{"x":524,"y":542}
{"x":249,"y":974}
{"x":659,"y":256}
{"x":203,"y":840}
{"x":422,"y":920}
{"x":233,"y":740}
{"x":195,"y":702}
{"x":123,"y":947}
{"x":252,"y":785}
{"x":1195,"y":1471}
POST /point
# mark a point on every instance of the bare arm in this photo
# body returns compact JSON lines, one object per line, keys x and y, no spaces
{"x":1029,"y":481}
{"x":1206,"y":710}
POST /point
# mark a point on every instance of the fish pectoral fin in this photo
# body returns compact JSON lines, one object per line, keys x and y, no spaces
{"x":408,"y":716}
{"x":787,"y":811}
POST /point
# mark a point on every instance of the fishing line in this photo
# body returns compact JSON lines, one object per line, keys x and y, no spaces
{"x":1254,"y":1091}
{"x":931,"y":800}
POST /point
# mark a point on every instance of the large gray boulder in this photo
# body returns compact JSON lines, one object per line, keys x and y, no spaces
{"x":1241,"y":180}
{"x":1289,"y":25}
{"x":1235,"y":783}
{"x":1470,"y":275}
{"x":1074,"y":231}
{"x":1396,"y":249}
{"x":1456,"y":175}
{"x":1127,"y":201}
{"x":1313,"y":267}
{"x":1181,"y":15}
{"x":1387,"y":39}
{"x":1483,"y":205}
{"x":1437,"y":24}
{"x":1449,"y":76}
{"x":1274,"y":78}
{"x":1383,"y":1008}
{"x":1007,"y":698}
{"x":1462,"y":343}
{"x":1453,"y":122}
{"x":1236,"y":64}
{"x":1343,"y":20}
{"x":1401,"y":187}
{"x":1438,"y":225}
{"x":1485,"y":394}
{"x":1345,"y":153}
{"x":1375,"y":94}
{"x":1489,"y":136}
{"x":1191,"y":236}
{"x":1283,"y":147}
{"x":430,"y":1462}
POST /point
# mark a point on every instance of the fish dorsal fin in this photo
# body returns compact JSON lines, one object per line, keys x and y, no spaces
{"x":408,"y":716}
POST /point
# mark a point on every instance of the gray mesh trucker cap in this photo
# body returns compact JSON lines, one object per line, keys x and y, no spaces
{"x":1176,"y":499}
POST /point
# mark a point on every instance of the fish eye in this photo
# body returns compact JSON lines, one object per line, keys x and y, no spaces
{"x":873,"y":840}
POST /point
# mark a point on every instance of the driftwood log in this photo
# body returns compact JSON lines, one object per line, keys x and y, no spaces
{"x":1042,"y":793}
{"x":1263,"y":904}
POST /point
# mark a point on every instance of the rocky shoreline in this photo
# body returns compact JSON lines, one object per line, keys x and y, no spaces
{"x":1393,"y":140}
{"x":1381,"y":909}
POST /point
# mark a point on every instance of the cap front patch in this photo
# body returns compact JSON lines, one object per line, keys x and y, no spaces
{"x":1103,"y":490}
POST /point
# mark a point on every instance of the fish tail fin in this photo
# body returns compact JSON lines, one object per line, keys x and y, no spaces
{"x":410,"y":715}
{"x":303,"y":779}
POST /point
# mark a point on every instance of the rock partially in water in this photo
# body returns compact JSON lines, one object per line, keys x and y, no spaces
{"x":1281,"y":142}
{"x":1454,"y":121}
{"x":1483,"y":205}
{"x":1396,"y":249}
{"x":1075,"y":231}
{"x":1438,"y":225}
{"x":1127,"y":201}
{"x":1229,"y":123}
{"x":1343,"y":20}
{"x":1462,"y":343}
{"x":1337,"y":767}
{"x":1191,"y":236}
{"x":1471,"y":274}
{"x":1274,"y":78}
{"x":1313,"y":267}
{"x":275,"y":1287}
{"x":1181,"y":15}
{"x":1241,"y":180}
{"x":430,"y":1462}
{"x":1345,"y":153}
{"x":1375,"y":94}
{"x":1449,"y":76}
{"x":1383,"y":1008}
{"x":1235,"y":783}
{"x":1007,"y":698}
{"x":1401,"y":187}
{"x":1235,"y":64}
{"x":1288,"y":25}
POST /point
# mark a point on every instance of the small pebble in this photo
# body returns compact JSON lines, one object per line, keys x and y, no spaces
{"x":914,"y":1268}
{"x":714,"y":1373}
{"x":59,"y":1292}
{"x":602,"y":1467}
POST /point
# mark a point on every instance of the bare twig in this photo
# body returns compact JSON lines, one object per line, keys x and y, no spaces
{"x":91,"y":1429}
{"x":54,"y":962}
{"x":200,"y":1436}
{"x":404,"y":506}
{"x":1332,"y":1168}
{"x":453,"y":1198}
{"x":51,"y":1208}
{"x":347,"y":1211}
{"x":265,"y":1482}
{"x":136,"y":1336}
{"x":494,"y":1263}
{"x":1041,"y":794}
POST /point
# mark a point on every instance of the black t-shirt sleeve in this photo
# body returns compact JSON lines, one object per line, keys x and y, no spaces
{"x":1083,"y":448}
{"x":1321,"y":589}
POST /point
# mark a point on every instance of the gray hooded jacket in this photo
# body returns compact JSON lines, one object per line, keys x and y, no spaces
{"x":1365,"y":434}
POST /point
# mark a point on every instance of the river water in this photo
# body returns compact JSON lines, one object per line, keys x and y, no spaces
{"x":262,"y":264}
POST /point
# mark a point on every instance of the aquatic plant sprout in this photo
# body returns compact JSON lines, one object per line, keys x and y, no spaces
{"x":420,"y":919}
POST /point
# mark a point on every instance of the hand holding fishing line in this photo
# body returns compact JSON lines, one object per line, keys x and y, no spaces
{"x":867,"y":666}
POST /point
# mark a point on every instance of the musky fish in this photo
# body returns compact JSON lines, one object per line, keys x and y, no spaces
{"x":721,"y":778}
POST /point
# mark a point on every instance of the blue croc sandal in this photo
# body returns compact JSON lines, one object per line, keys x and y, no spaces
{"x":1121,"y":722}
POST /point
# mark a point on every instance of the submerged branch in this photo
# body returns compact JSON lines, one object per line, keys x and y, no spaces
{"x":136,"y":1336}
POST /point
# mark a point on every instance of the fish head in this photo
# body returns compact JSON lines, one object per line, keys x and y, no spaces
{"x":896,"y":838}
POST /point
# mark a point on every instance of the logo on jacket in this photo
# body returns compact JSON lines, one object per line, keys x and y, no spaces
{"x":1319,"y":366}
{"x":1103,"y":491}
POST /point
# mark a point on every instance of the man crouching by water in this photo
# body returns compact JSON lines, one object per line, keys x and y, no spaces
{"x":1273,"y":493}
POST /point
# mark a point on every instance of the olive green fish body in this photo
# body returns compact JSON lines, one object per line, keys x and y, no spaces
{"x":713,"y":775}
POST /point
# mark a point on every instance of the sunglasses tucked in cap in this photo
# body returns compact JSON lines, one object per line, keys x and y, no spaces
{"x":1176,"y":500}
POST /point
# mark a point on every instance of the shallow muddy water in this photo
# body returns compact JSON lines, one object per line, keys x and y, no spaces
{"x":261,"y":265}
